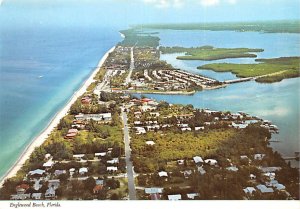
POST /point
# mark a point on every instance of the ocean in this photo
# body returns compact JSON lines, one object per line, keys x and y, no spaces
{"x":40,"y":69}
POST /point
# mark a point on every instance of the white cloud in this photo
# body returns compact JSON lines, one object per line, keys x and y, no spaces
{"x":165,"y":3}
{"x":209,"y":3}
{"x":181,"y":3}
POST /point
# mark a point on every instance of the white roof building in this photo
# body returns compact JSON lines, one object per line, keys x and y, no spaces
{"x":174,"y":197}
{"x":198,"y":159}
{"x":232,"y":168}
{"x":150,"y":142}
{"x":153,"y":190}
{"x":264,"y":189}
{"x":48,"y":164}
{"x":83,"y":170}
{"x":37,"y":172}
{"x":113,"y":161}
{"x":112,"y":168}
{"x":249,"y":190}
{"x":163,"y":174}
{"x":100,"y":154}
{"x":211,"y":161}
{"x":192,"y":195}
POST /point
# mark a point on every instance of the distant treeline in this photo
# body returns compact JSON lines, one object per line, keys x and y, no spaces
{"x":282,"y":26}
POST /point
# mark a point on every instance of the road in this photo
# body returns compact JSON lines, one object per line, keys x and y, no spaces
{"x":128,"y":78}
{"x":129,"y":166}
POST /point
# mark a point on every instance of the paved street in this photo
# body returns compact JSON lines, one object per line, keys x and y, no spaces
{"x":129,"y":166}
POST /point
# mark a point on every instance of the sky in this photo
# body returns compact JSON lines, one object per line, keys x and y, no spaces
{"x":123,"y":13}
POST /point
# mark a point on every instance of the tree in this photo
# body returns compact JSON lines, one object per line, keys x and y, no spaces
{"x":90,"y":183}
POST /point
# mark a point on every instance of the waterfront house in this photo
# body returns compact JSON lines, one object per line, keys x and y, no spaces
{"x":72,"y":133}
{"x":192,"y":195}
{"x":174,"y":197}
{"x":36,"y":172}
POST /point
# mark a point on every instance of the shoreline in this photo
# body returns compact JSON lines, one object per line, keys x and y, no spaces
{"x":43,"y":135}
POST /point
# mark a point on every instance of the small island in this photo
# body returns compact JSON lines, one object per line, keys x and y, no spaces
{"x":266,"y":71}
{"x":209,"y":53}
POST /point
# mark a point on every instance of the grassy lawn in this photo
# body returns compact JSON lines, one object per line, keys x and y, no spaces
{"x":279,"y":68}
{"x":210,"y":53}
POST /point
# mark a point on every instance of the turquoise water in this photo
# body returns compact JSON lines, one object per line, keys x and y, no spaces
{"x":278,"y":102}
{"x":40,"y":69}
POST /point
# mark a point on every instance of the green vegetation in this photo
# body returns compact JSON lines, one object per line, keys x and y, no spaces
{"x":210,"y":53}
{"x":283,"y":26}
{"x":268,"y":70}
{"x":134,"y":38}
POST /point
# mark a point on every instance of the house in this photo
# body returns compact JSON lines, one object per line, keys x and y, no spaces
{"x":259,"y":156}
{"x":37,"y":172}
{"x":112,"y":168}
{"x":186,"y":129}
{"x":113,"y":161}
{"x":100,"y":154}
{"x":97,"y":189}
{"x":249,"y":190}
{"x":95,"y":117}
{"x":198,"y":159}
{"x":211,"y":161}
{"x":201,"y":170}
{"x":59,"y":172}
{"x":163,"y":174}
{"x":71,"y":133}
{"x":154,"y":114}
{"x":187,"y":173}
{"x":252,"y":176}
{"x":199,"y":128}
{"x":86,"y":100}
{"x":22,"y":188}
{"x":54,"y":183}
{"x":180,"y":162}
{"x":263,"y":189}
{"x":154,"y":190}
{"x":279,"y":186}
{"x":244,"y":157}
{"x":99,"y":182}
{"x":19,"y":196}
{"x":192,"y":195}
{"x":238,"y":125}
{"x":270,"y":175}
{"x":232,"y":168}
{"x":50,"y":193}
{"x":137,"y":123}
{"x":47,"y":156}
{"x":36,"y":186}
{"x":83,"y":170}
{"x":140,"y":130}
{"x":36,"y":196}
{"x":72,"y":171}
{"x":174,"y":197}
{"x":48,"y":164}
{"x":150,"y":142}
{"x":78,"y":156}
{"x":270,"y":169}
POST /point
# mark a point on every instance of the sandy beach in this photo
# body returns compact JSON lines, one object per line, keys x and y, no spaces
{"x":39,"y":140}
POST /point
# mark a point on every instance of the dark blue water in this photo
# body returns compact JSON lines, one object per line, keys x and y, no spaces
{"x":40,"y":69}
